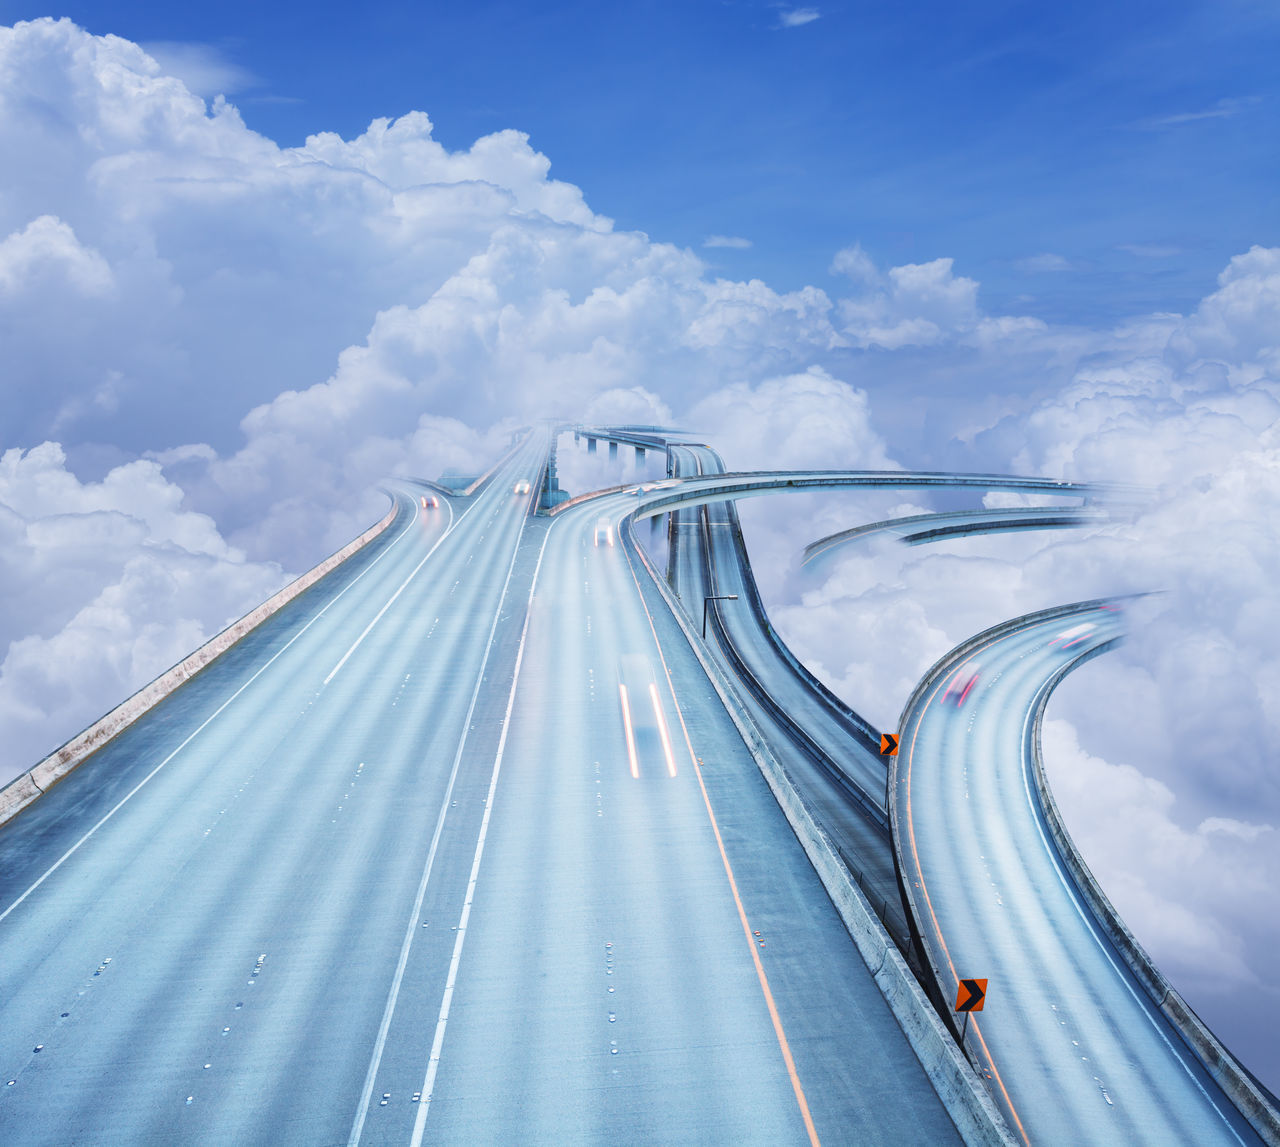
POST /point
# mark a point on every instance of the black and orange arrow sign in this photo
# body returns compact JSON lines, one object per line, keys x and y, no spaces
{"x":888,"y":745}
{"x":971,"y":996}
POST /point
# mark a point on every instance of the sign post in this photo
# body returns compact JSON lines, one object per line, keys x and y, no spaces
{"x":888,"y":748}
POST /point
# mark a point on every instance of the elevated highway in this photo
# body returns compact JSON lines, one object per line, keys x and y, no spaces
{"x":463,"y":845}
{"x":919,"y":529}
{"x":402,"y":867}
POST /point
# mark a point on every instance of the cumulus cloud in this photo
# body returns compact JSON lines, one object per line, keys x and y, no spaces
{"x":47,"y":249}
{"x":915,"y":305}
{"x":103,"y":585}
{"x":154,"y":240}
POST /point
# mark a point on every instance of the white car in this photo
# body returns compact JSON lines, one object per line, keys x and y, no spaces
{"x":1073,"y":636}
{"x":604,"y":532}
{"x":521,"y":487}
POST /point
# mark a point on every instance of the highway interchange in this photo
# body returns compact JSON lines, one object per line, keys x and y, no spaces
{"x":463,"y":845}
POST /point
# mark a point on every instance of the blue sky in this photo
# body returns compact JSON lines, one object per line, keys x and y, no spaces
{"x":1084,"y":162}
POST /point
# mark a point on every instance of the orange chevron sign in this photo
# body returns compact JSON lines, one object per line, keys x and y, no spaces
{"x":888,"y":745}
{"x":971,"y":996}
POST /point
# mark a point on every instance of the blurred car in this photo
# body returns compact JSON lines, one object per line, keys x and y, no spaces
{"x":961,"y":685}
{"x":521,"y":487}
{"x":604,"y":532}
{"x":1073,"y":636}
{"x":430,"y":502}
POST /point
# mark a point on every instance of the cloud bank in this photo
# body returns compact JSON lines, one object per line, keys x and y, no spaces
{"x":216,"y":346}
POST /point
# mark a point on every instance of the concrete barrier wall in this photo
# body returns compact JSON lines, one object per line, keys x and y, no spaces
{"x":16,"y":795}
{"x":31,"y":785}
{"x":957,"y":1084}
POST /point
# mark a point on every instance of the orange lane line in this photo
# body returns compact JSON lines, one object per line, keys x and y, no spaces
{"x":937,"y":929}
{"x":776,"y":1019}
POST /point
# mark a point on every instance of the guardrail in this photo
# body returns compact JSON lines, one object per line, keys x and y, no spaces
{"x":915,"y":529}
{"x":756,"y":483}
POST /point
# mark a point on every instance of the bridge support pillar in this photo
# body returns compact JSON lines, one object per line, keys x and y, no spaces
{"x":591,"y":445}
{"x":639,"y":457}
{"x":613,"y":451}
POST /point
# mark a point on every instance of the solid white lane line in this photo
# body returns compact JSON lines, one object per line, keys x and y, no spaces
{"x":662,"y":728}
{"x":433,"y":1063}
{"x":627,"y":728}
{"x":391,"y":600}
{"x":375,"y":1060}
{"x":129,"y":796}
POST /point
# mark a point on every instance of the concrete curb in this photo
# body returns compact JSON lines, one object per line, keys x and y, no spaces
{"x":1218,"y":1061}
{"x":36,"y":781}
{"x":962,"y":1093}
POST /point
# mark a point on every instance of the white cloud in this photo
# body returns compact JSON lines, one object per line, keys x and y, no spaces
{"x":918,"y":304}
{"x":732,"y":241}
{"x":797,"y":17}
{"x":855,"y":263}
{"x":203,"y":68}
{"x":103,"y":585}
{"x":1223,"y":109}
{"x":1046,"y":263}
{"x":47,"y":249}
